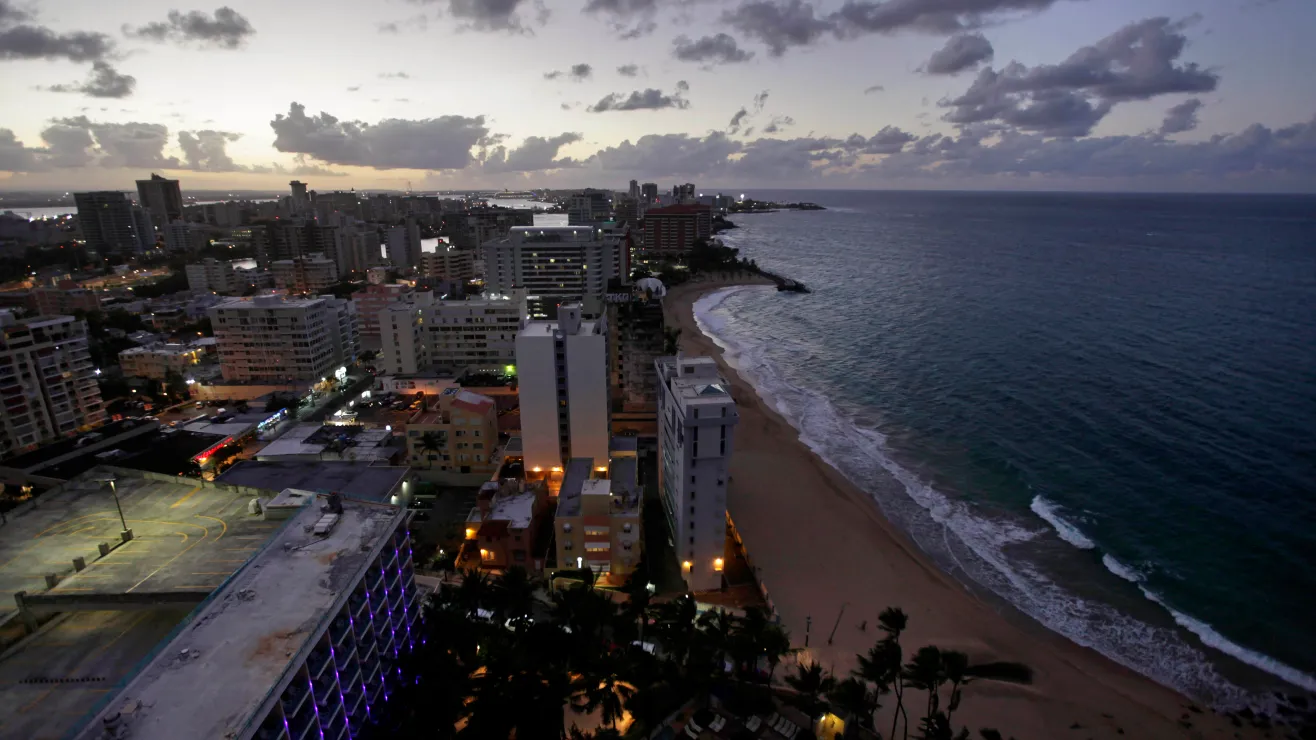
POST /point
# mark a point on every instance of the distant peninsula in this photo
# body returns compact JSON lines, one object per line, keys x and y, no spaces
{"x":749,"y":205}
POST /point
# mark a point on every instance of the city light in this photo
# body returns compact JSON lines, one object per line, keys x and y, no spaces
{"x":687,"y":565}
{"x":717,"y":564}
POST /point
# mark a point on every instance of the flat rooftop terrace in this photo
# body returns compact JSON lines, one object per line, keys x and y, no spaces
{"x":240,"y":645}
{"x":188,"y":540}
{"x":356,"y":479}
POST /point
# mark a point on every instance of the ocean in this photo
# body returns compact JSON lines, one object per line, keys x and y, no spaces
{"x":1100,"y":409}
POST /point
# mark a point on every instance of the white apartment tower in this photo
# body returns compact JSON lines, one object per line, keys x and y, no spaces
{"x":696,"y":426}
{"x":562,"y":370}
{"x":276,"y":339}
{"x":556,"y":265}
{"x":213,"y":276}
{"x":47,"y":382}
{"x":424,"y":335}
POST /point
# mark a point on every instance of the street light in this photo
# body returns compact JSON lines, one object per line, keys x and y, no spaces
{"x":115,"y":493}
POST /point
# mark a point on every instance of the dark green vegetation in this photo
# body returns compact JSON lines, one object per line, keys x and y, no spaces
{"x":498,"y":657}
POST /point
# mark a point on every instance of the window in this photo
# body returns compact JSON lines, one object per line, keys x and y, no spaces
{"x":597,"y":546}
{"x":566,"y":528}
{"x":568,"y":545}
{"x":692,"y":525}
{"x":692,"y":511}
{"x":596,"y":530}
{"x":692,"y":479}
{"x":626,"y":527}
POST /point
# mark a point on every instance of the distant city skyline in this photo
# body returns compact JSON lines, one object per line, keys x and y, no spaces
{"x":1176,"y":95}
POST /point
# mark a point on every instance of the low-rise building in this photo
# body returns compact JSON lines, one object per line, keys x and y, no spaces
{"x":456,"y":440}
{"x":307,"y":275}
{"x":65,"y":300}
{"x":157,"y":361}
{"x":502,"y":529}
{"x":597,"y":525}
{"x":215,"y":276}
{"x":315,"y":441}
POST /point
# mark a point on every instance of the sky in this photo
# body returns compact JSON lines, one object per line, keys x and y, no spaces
{"x":1107,"y":95}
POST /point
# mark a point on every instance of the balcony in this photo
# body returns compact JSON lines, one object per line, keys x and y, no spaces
{"x":294,"y":697}
{"x":318,"y":661}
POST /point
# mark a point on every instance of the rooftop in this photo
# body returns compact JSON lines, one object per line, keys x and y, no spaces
{"x":356,"y":479}
{"x":347,"y":442}
{"x":518,"y":510}
{"x":620,"y":484}
{"x":240,"y":648}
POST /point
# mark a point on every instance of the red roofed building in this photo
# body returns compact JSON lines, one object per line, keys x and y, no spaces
{"x":501,"y":529}
{"x":456,"y":440}
{"x":672,"y":231}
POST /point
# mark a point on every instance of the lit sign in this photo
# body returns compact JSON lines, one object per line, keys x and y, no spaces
{"x":205,"y":454}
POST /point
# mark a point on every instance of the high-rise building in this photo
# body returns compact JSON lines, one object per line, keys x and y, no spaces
{"x":275,"y":339}
{"x":110,"y":223}
{"x":696,"y":427}
{"x":672,"y":231}
{"x":588,"y":207}
{"x":683,"y":193}
{"x":301,"y":202}
{"x":634,"y":191}
{"x":555,"y":264}
{"x":562,"y":373}
{"x":649,"y":193}
{"x":299,"y":643}
{"x":423,"y":335}
{"x":285,"y":240}
{"x":309,"y":274}
{"x":370,"y":302}
{"x":470,"y":229}
{"x":404,"y":245}
{"x":162,"y":197}
{"x":448,"y":262}
{"x":47,"y":382}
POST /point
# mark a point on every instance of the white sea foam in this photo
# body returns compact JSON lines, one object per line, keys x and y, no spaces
{"x":952,"y":530}
{"x":1050,"y":511}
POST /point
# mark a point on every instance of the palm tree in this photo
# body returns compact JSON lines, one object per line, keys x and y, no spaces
{"x":955,"y":666}
{"x":474,"y":591}
{"x":925,"y":671}
{"x":893,"y":622}
{"x":811,"y":682}
{"x":853,"y":697}
{"x":757,"y":636}
{"x":514,"y":593}
{"x":430,"y":442}
{"x":603,"y":689}
{"x":718,"y":630}
{"x":676,"y":626}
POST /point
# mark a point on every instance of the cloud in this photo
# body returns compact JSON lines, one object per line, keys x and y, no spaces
{"x":442,"y":143}
{"x":874,"y":88}
{"x":39,"y":42}
{"x":133,"y":144}
{"x":1181,"y":118}
{"x":760,"y":100}
{"x":16,"y":157}
{"x":629,"y":70}
{"x":736,"y":120}
{"x":1137,"y":62}
{"x":630,"y":19}
{"x":577,"y":73}
{"x":961,"y":52}
{"x":511,"y":16}
{"x":394,"y":76}
{"x":710,"y":50}
{"x":9,"y":14}
{"x":682,"y":86}
{"x":535,"y":153}
{"x":778,"y":124}
{"x":205,"y":151}
{"x":415,"y":22}
{"x":354,"y":88}
{"x":889,"y":140}
{"x":779,"y":25}
{"x":104,"y":82}
{"x":660,"y":155}
{"x":784,"y":24}
{"x":226,"y":29}
{"x":649,"y":99}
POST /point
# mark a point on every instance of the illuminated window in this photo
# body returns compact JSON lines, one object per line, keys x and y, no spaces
{"x":597,"y":547}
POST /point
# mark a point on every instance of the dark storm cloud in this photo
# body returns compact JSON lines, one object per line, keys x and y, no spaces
{"x":783,"y":24}
{"x":442,"y":143}
{"x":629,"y":70}
{"x":717,"y":49}
{"x":10,"y":14}
{"x":1137,"y":62}
{"x":104,"y":82}
{"x":648,"y":99}
{"x":535,"y":153}
{"x":961,"y":52}
{"x":226,"y":29}
{"x":39,"y":42}
{"x":512,"y":16}
{"x":1181,"y":118}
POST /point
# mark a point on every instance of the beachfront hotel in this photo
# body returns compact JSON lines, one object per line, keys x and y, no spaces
{"x":562,"y":368}
{"x":696,"y":426}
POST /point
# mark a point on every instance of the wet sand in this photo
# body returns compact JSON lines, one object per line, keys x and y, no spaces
{"x":819,"y":544}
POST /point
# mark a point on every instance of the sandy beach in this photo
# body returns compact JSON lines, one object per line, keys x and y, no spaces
{"x":820,"y":543}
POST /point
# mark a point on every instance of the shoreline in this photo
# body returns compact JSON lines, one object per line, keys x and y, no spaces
{"x":830,"y":548}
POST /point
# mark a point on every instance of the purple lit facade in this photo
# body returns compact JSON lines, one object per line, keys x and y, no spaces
{"x":352,"y":665}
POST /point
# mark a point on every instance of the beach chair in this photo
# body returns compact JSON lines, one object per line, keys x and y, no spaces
{"x":691,"y":732}
{"x":718,"y":723}
{"x":754,"y":723}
